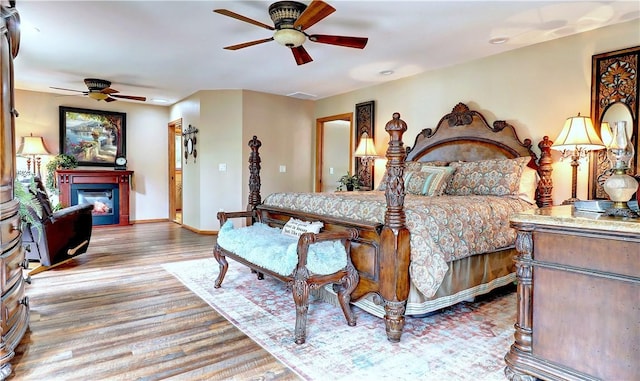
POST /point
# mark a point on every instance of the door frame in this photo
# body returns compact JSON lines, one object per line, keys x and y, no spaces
{"x":348,"y":117}
{"x":173,"y":126}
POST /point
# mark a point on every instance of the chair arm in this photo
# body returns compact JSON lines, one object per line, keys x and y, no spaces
{"x":307,"y":239}
{"x":72,"y":210}
{"x":224,"y":216}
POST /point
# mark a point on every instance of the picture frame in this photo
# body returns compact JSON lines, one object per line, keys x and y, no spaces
{"x":365,"y":122}
{"x":93,"y":137}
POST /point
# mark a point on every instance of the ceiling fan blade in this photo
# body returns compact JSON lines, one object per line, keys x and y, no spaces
{"x":60,"y":88}
{"x":349,"y":42}
{"x":109,"y":99}
{"x":143,"y":99}
{"x":109,"y":90}
{"x":301,"y":55}
{"x":243,"y":18}
{"x":247,"y":44}
{"x":315,"y":12}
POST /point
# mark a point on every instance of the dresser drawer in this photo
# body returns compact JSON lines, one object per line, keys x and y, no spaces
{"x":9,"y":224}
{"x":14,"y":314}
{"x":11,"y":267}
{"x":605,"y":254}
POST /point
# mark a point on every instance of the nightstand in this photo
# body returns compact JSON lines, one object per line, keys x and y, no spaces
{"x":578,"y":295}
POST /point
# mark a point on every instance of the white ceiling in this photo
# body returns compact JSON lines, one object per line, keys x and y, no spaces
{"x":171,"y":49}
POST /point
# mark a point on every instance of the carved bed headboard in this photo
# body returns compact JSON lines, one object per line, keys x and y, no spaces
{"x":465,"y":135}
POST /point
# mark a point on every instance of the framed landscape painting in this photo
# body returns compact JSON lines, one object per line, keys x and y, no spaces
{"x":93,"y":137}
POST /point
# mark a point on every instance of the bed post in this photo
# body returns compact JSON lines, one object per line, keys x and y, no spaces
{"x":545,"y":185}
{"x":395,"y":250}
{"x":254,"y":176}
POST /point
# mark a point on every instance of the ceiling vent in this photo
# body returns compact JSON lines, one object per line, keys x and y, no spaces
{"x":300,"y":95}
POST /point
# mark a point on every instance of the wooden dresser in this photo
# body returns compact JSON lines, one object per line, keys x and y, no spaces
{"x":14,"y":305}
{"x":578,"y":297}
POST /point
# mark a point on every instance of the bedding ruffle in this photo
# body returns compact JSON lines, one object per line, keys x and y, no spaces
{"x":443,"y":228}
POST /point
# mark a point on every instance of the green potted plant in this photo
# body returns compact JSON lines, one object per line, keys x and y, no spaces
{"x":29,"y":208}
{"x":349,"y":181}
{"x":60,"y":161}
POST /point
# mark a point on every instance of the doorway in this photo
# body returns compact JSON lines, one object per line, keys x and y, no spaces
{"x":175,"y":171}
{"x":334,"y":150}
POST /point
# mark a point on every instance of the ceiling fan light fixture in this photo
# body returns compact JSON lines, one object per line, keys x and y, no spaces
{"x":98,"y":96}
{"x":290,"y":38}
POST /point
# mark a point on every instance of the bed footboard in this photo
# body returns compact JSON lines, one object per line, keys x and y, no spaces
{"x":381,"y":253}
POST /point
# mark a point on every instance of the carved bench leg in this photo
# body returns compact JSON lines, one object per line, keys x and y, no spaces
{"x":222,"y":261}
{"x":349,"y":283}
{"x":301,"y":298}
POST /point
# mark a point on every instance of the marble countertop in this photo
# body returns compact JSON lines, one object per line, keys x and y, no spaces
{"x":568,"y":216}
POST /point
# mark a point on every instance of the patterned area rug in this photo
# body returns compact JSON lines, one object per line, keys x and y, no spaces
{"x":464,"y":342}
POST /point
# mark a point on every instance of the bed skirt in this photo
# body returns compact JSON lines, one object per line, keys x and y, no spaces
{"x":463,"y":282}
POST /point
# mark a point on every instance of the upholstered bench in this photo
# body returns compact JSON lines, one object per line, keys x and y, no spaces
{"x":305,"y":263}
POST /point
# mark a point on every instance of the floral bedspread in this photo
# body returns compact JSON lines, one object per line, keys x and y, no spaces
{"x":443,"y":228}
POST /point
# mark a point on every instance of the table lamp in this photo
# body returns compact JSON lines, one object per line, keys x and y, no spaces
{"x":576,"y":139}
{"x":33,"y":147}
{"x":620,"y":186}
{"x":366,"y":151}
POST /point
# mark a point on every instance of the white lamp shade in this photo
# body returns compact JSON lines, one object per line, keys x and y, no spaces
{"x":578,"y":133}
{"x":33,"y":145}
{"x":606,"y":133}
{"x":366,"y":148}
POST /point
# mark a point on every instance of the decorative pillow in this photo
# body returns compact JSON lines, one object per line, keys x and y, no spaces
{"x":528,"y":185}
{"x":412,"y":166}
{"x":497,"y":177}
{"x":295,"y":227}
{"x":430,"y":181}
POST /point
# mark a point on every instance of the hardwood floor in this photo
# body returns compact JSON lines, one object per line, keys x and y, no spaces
{"x":115,"y":314}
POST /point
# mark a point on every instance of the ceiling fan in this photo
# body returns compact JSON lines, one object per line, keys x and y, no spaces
{"x":291,"y":19}
{"x":100,"y":90}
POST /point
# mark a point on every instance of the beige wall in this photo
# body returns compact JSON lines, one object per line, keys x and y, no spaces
{"x":535,"y":88}
{"x":146,"y":143}
{"x":227,"y":120}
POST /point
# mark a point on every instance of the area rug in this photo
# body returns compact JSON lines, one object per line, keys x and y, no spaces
{"x":465,"y":342}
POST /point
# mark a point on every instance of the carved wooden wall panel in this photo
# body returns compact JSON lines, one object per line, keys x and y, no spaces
{"x":364,"y":123}
{"x":614,"y":81}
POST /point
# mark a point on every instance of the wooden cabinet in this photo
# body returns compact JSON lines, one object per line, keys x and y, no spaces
{"x":578,"y":297}
{"x":14,"y":305}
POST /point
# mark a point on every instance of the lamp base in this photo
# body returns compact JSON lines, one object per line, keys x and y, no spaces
{"x":619,"y":210}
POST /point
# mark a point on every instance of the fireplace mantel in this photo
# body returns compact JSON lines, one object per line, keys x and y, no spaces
{"x":66,"y":178}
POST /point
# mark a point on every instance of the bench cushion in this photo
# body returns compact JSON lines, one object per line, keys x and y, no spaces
{"x":266,"y":247}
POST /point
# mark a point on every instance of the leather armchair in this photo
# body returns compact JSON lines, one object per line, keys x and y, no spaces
{"x":63,"y":234}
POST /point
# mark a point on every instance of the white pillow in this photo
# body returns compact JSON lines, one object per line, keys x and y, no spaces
{"x":528,"y":185}
{"x":295,"y":228}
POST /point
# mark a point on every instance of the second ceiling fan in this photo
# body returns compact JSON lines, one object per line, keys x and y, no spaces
{"x":100,"y":90}
{"x":291,"y":19}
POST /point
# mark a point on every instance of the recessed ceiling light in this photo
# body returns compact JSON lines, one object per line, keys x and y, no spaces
{"x":386,"y":72}
{"x":498,"y":40}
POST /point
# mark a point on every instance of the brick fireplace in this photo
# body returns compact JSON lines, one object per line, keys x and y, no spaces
{"x":108,"y":191}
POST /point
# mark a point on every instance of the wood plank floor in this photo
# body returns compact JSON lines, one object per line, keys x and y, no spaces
{"x":115,"y":314}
